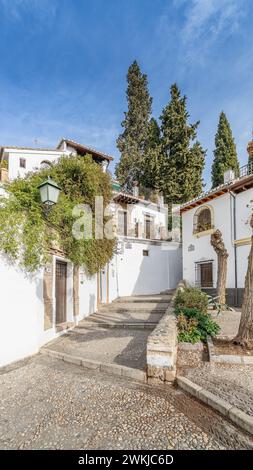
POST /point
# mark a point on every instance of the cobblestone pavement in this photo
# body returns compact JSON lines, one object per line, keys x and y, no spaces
{"x":232,"y":382}
{"x":48,"y":404}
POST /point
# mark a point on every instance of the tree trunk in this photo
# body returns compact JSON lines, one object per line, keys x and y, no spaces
{"x":245,"y":332}
{"x":222,"y":254}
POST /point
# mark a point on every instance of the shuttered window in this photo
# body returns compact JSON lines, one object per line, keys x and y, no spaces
{"x":122,"y":223}
{"x":204,"y":274}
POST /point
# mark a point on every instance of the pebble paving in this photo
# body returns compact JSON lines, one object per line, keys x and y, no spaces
{"x":46,"y":403}
{"x":232,"y":382}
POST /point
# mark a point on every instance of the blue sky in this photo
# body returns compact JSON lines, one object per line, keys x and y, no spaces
{"x":64,"y":62}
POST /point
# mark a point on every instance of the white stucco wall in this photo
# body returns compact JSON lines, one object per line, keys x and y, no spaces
{"x":22,"y":309}
{"x":131,"y":273}
{"x":33,"y":160}
{"x":139,"y":210}
{"x":223,"y":220}
{"x":87,"y":294}
{"x":21,"y":313}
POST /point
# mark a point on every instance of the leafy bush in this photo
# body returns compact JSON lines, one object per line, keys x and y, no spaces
{"x":4,"y":164}
{"x":27,"y":235}
{"x":216,"y":305}
{"x":194,"y":325}
{"x":188,"y":330}
{"x":191,"y":297}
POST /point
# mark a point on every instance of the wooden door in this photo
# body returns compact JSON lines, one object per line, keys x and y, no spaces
{"x":60,"y":291}
{"x":206,"y":274}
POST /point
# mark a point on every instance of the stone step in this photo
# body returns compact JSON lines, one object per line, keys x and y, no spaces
{"x":134,"y":307}
{"x":145,"y":298}
{"x":107,"y":368}
{"x":122,"y":318}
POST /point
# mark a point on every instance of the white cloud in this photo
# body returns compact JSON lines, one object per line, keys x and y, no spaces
{"x":205,"y":22}
{"x":210,"y":17}
{"x":15,"y":9}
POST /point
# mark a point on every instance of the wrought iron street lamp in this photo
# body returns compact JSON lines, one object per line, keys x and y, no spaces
{"x":49,"y":192}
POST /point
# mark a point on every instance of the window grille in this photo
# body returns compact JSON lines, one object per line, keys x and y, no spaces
{"x":204,"y":273}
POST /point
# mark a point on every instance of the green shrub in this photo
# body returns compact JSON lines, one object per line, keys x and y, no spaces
{"x":188,"y":331}
{"x":216,"y":305}
{"x":23,"y":222}
{"x":4,"y":164}
{"x":191,"y":297}
{"x":194,"y":325}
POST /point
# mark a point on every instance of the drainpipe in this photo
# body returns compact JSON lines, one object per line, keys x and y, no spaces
{"x":235,"y":246}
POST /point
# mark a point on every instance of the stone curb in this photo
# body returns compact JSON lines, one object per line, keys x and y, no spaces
{"x":114,"y":369}
{"x":226,"y":358}
{"x":141,"y":311}
{"x":134,"y":326}
{"x":236,"y":415}
{"x":140,"y":301}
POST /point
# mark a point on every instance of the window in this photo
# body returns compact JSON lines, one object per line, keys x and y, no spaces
{"x":22,"y":163}
{"x":122,"y":223}
{"x":204,"y":274}
{"x":145,"y":252}
{"x":136,"y":228}
{"x":148,"y":226}
{"x":45,"y":164}
{"x":203,"y":219}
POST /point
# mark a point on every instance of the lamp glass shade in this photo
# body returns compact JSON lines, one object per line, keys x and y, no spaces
{"x":49,"y":192}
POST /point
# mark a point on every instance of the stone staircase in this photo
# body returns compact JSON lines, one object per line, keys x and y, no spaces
{"x":114,"y":339}
{"x":128,"y":312}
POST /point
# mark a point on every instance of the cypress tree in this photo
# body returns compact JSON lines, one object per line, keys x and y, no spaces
{"x":225,"y":155}
{"x":183,"y":159}
{"x":132,"y":142}
{"x":153,"y":139}
{"x":151,"y":159}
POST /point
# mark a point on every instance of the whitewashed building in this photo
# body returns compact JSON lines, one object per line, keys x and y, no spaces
{"x":227,"y":208}
{"x":36,"y":308}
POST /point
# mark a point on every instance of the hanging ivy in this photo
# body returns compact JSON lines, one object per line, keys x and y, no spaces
{"x":27,"y":233}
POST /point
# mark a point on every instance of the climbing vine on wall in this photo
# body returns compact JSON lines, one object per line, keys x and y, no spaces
{"x":27,"y":233}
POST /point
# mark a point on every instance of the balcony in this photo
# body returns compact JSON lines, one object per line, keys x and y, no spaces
{"x":136,"y":230}
{"x":246,"y":170}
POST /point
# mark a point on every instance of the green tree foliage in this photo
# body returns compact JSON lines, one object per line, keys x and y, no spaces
{"x":132,"y":142}
{"x":153,"y":138}
{"x":27,"y":234}
{"x":225,"y":155}
{"x":151,"y":160}
{"x":183,"y":158}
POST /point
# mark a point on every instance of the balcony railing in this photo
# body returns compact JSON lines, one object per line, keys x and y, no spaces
{"x":157,"y":232}
{"x":246,"y":170}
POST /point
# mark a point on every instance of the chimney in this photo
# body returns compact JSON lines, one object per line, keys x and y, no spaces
{"x":104,"y":164}
{"x":135,"y":189}
{"x":250,"y":150}
{"x":229,"y":176}
{"x":160,"y":200}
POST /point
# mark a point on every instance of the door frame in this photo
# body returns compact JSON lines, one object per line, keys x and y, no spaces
{"x":106,"y":268}
{"x":61,"y":262}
